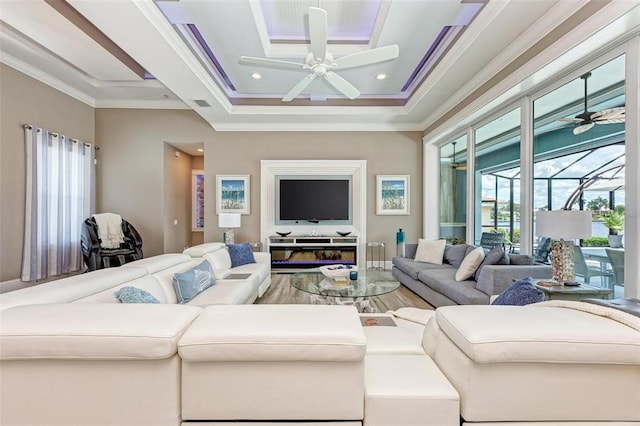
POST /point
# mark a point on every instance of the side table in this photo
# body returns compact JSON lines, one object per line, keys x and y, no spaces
{"x":565,"y":292}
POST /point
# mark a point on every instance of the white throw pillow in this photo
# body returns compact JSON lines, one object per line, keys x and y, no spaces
{"x":430,"y":251}
{"x":470,"y":263}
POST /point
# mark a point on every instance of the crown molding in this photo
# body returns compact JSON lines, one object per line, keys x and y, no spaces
{"x":141,"y":104}
{"x":572,"y":44}
{"x":45,"y":78}
{"x":317,"y":127}
{"x":155,"y":17}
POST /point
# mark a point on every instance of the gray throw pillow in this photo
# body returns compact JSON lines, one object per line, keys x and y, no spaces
{"x":520,"y":293}
{"x":496,"y":256}
{"x":130,"y":294}
{"x":454,"y":255}
{"x":190,"y":283}
{"x":520,"y":259}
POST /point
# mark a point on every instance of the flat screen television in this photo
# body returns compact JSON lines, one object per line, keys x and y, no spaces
{"x":314,"y":200}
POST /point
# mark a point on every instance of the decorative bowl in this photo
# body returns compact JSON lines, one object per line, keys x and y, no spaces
{"x":336,"y":271}
{"x":283,"y":234}
{"x":342,"y":234}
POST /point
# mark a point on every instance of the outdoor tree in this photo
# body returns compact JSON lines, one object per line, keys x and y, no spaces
{"x":598,"y":203}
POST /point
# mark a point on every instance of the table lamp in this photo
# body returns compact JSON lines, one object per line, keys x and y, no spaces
{"x":228,"y":221}
{"x":563,"y":226}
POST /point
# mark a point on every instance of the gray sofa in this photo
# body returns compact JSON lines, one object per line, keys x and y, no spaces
{"x":437,"y":285}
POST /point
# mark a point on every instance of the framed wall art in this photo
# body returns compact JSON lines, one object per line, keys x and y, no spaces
{"x":233,"y":193}
{"x":392,"y":195}
{"x":197,"y":200}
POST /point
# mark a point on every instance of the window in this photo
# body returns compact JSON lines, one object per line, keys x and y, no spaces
{"x":497,"y":177}
{"x":453,"y":190}
{"x":59,"y":197}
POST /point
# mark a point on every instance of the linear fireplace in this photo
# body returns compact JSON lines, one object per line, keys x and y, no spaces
{"x":311,"y":252}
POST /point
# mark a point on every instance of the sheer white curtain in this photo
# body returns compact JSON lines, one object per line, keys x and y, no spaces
{"x":59,"y":196}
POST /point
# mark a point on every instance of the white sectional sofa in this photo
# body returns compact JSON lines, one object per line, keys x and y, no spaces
{"x":70,"y":356}
{"x":155,"y":275}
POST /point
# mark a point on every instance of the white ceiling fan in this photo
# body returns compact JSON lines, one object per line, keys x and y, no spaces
{"x":321,"y":63}
{"x":588,"y":119}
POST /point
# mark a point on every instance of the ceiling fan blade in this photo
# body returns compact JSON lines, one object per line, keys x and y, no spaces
{"x":270,"y":62}
{"x":342,"y":85}
{"x":610,"y":121}
{"x":610,"y":113}
{"x":318,"y":32}
{"x":367,"y":57}
{"x":298,"y":88}
{"x":583,"y":128}
{"x":569,"y":120}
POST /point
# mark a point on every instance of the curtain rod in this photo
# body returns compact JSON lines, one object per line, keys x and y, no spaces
{"x":29,"y":126}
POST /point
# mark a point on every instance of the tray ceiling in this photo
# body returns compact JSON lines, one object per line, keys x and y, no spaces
{"x":186,"y":54}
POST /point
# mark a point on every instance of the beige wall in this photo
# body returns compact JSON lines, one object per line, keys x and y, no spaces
{"x":386,"y":153}
{"x":133,"y":169}
{"x":131,"y":173}
{"x":177,"y":199}
{"x":24,"y":100}
{"x":138,"y":176}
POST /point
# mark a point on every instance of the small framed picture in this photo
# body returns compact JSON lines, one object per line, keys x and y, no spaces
{"x":233,"y":194}
{"x":392,"y":195}
{"x":197,"y":200}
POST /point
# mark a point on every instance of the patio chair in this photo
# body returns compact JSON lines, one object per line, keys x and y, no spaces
{"x":616,"y":259}
{"x":541,"y":253}
{"x":489,"y":240}
{"x":587,"y":271}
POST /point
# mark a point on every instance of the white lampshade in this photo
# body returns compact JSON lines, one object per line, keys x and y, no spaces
{"x":563,"y":224}
{"x":229,"y":220}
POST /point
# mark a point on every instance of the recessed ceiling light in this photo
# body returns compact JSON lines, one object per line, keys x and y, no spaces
{"x":256,"y":76}
{"x":200,"y":150}
{"x":381,"y":76}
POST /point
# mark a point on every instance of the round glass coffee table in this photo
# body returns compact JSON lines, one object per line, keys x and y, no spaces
{"x":370,"y":282}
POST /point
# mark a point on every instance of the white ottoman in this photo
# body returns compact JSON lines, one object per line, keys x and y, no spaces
{"x":408,"y":390}
{"x":273,"y":362}
{"x":92,"y":364}
{"x":538,"y":364}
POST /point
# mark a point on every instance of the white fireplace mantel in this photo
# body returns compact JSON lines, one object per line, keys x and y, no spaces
{"x":356,"y":169}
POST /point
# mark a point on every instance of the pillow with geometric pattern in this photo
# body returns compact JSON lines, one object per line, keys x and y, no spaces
{"x":190,"y":283}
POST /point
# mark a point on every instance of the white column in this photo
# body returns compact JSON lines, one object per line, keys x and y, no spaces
{"x":431,"y":191}
{"x":526,"y":176}
{"x":471,"y":189}
{"x":632,"y":172}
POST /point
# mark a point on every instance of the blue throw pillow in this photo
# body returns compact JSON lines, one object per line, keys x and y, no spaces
{"x":520,"y":293}
{"x":241,"y":254}
{"x":135,"y":295}
{"x":190,"y":283}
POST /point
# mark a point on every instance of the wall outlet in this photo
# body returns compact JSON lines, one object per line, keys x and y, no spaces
{"x":175,"y":222}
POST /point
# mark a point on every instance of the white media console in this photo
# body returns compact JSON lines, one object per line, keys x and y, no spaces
{"x":310,"y":251}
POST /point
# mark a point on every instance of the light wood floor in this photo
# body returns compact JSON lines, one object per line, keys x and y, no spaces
{"x":281,"y":292}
